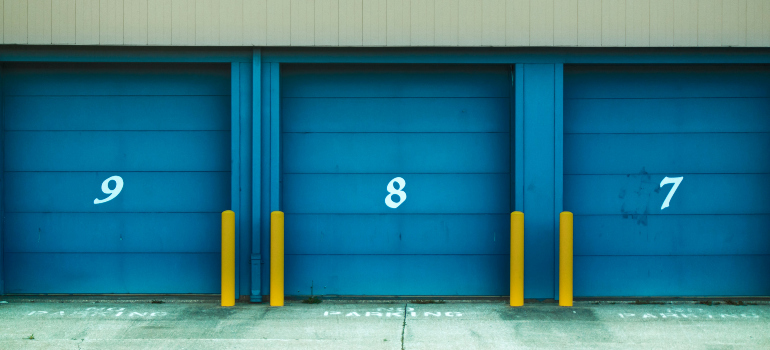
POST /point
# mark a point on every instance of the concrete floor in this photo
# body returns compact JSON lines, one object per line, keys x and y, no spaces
{"x":380,"y":325}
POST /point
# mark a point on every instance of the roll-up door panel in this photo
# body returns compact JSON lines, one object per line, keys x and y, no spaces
{"x":139,"y":151}
{"x":396,"y":81}
{"x":163,"y":129}
{"x":414,"y":152}
{"x":430,"y":193}
{"x":627,"y":128}
{"x":112,"y":80}
{"x":348,"y":131}
{"x":116,"y":113}
{"x":372,"y":114}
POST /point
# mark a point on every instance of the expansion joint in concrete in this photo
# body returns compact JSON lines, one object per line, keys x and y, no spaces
{"x":403,"y":326}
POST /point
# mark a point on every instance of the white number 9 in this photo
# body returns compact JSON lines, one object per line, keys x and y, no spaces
{"x":106,"y":189}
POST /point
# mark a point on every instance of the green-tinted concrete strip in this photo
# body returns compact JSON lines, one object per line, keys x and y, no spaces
{"x":367,"y":325}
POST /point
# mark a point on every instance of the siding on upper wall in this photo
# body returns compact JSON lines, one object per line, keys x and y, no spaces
{"x":470,"y":23}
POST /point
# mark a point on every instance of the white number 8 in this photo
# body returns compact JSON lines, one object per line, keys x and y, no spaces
{"x":399,"y":192}
{"x":106,"y":189}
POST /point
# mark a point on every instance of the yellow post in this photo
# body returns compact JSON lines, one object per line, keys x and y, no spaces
{"x":276,"y":258}
{"x":517,"y":258}
{"x":565,"y":259}
{"x":228,"y":258}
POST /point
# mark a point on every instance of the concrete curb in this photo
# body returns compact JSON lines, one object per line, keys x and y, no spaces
{"x":214,"y":299}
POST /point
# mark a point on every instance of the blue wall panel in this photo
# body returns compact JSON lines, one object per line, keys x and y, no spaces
{"x":116,"y":113}
{"x":666,"y":81}
{"x":414,"y":152}
{"x":417,"y":234}
{"x":715,"y":194}
{"x":347,"y":131}
{"x":708,"y":123}
{"x":112,"y":232}
{"x":371,"y":114}
{"x":165,"y":130}
{"x":539,"y":166}
{"x":142,"y":192}
{"x":710,"y":153}
{"x":496,"y":55}
{"x":662,"y":235}
{"x":661,"y":115}
{"x":389,"y":55}
{"x":629,"y":127}
{"x":104,"y":79}
{"x":141,"y":273}
{"x":117,"y":151}
{"x":426,"y":193}
{"x":688,"y":275}
{"x":388,"y":81}
{"x":393,"y":275}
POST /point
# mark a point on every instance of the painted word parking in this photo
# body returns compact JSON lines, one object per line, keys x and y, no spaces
{"x":688,"y":313}
{"x":100,"y":312}
{"x":391,"y":312}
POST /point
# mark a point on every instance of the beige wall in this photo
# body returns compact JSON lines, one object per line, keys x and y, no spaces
{"x":584,"y":23}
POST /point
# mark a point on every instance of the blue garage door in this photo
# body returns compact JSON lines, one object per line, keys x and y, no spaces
{"x":668,"y":174}
{"x":115,"y":176}
{"x":437,"y":138}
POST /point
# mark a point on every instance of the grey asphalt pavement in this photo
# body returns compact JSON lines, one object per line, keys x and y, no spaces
{"x":141,"y":324}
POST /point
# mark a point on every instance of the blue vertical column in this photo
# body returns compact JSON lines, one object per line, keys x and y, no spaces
{"x":235,"y":157}
{"x":538,"y":140}
{"x":241,"y":181}
{"x":275,"y":144}
{"x":245,"y":217}
{"x":265,"y":183}
{"x":256,"y":177}
{"x":2,"y":181}
{"x":275,"y":137}
{"x":269,"y":173}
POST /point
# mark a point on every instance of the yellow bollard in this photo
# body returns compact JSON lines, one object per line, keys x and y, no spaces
{"x":565,"y":259}
{"x":228,"y":258}
{"x":276,"y":258}
{"x":517,"y":258}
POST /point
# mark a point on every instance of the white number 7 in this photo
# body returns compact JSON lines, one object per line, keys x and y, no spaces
{"x":670,"y":180}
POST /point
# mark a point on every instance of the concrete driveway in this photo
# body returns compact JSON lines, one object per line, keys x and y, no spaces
{"x":187,"y":324}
